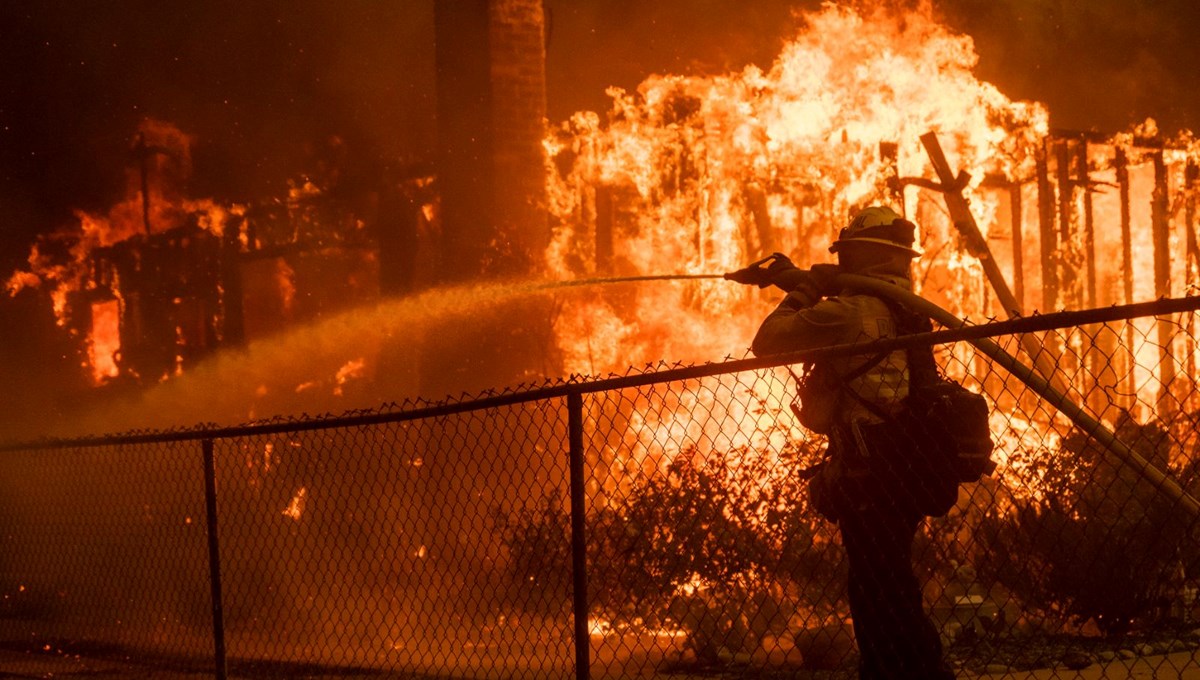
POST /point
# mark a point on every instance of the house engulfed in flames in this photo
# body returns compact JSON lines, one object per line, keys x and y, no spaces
{"x":703,"y":175}
{"x":161,"y":280}
{"x":694,"y":175}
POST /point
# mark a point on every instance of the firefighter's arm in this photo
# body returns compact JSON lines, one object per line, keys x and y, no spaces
{"x":800,"y":322}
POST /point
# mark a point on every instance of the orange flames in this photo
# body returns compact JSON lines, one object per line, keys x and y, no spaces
{"x":699,"y":175}
{"x":704,"y":174}
{"x":63,"y":263}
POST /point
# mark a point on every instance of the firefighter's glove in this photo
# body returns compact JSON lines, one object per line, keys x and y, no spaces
{"x":776,"y":270}
{"x":808,"y":286}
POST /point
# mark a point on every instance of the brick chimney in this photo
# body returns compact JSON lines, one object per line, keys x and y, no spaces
{"x":491,"y":108}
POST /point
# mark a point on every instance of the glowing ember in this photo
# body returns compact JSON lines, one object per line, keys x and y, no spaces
{"x":351,"y":370}
{"x":296,"y":507}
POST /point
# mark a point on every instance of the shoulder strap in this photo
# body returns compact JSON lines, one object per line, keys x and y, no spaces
{"x":922,"y":368}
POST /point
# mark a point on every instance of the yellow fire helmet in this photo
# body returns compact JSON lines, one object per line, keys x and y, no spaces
{"x":882,"y":225}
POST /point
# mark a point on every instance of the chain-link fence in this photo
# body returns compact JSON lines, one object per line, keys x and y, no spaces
{"x":649,"y":524}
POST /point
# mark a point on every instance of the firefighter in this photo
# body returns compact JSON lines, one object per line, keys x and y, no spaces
{"x":861,"y":485}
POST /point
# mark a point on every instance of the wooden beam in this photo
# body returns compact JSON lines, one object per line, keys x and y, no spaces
{"x":1049,"y":238}
{"x":964,"y":221}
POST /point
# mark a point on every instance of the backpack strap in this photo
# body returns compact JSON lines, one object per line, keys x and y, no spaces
{"x":922,"y":368}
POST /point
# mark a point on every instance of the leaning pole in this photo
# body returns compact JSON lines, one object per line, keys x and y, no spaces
{"x":1083,"y":420}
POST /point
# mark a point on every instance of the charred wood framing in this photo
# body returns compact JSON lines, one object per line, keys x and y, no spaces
{"x":1161,"y":237}
{"x":1121,"y":165}
{"x":951,"y":187}
{"x":1049,"y":239}
{"x":1068,"y":274}
{"x":1018,"y":245}
{"x":1083,"y":175}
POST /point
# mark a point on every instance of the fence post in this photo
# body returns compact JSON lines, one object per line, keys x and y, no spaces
{"x":214,"y":558}
{"x":578,"y":537}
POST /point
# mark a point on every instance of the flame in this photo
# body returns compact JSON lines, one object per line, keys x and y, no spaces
{"x":105,"y":339}
{"x":711,"y":172}
{"x":700,"y":175}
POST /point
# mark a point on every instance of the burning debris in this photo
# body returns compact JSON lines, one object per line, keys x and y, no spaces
{"x":161,"y":280}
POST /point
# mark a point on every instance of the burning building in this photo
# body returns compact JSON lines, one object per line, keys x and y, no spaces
{"x":701,"y":175}
{"x":159,"y":281}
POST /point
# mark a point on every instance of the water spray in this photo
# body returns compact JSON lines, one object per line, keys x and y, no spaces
{"x":628,"y":279}
{"x":751,"y":273}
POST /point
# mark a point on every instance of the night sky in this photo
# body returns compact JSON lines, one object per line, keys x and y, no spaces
{"x":262,"y":84}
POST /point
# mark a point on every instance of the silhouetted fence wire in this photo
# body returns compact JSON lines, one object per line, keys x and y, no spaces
{"x":447,"y":539}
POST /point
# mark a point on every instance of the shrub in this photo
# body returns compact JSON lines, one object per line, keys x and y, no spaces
{"x":1098,"y":543}
{"x":722,"y":548}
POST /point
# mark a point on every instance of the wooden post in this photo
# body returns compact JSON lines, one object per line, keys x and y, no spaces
{"x":578,"y":491}
{"x":889,"y":155}
{"x":756,"y":202}
{"x":1068,"y":282}
{"x":1121,"y":163}
{"x":951,"y":189}
{"x":1093,"y":359}
{"x":1192,"y":264}
{"x":1018,"y":245}
{"x":1049,"y":239}
{"x":221,"y":663}
{"x":1069,"y":277}
{"x":1161,"y":237}
{"x":1083,"y":175}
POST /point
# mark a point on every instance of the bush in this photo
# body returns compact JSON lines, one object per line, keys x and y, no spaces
{"x":1098,"y":543}
{"x":722,"y":548}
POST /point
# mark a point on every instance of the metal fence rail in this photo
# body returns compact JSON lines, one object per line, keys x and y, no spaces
{"x":637,"y":525}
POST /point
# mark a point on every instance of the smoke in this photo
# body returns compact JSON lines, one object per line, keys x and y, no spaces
{"x":594,"y":45}
{"x":1104,"y":64}
{"x":259,"y":86}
